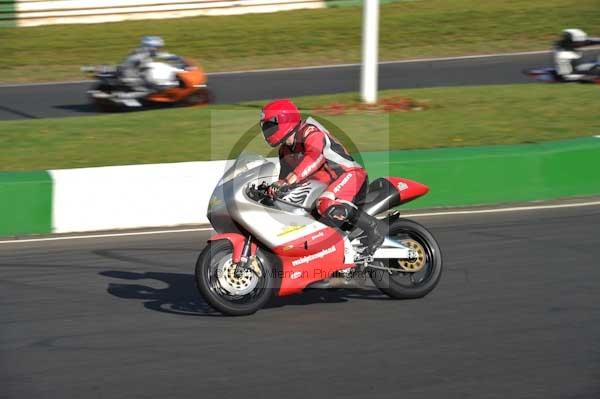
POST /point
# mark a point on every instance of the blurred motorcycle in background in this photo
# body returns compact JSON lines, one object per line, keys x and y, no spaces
{"x":550,"y":75}
{"x":569,"y":64}
{"x":179,"y":82}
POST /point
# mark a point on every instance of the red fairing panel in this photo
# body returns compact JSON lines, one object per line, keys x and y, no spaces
{"x":237,"y":241}
{"x":408,"y":189}
{"x":310,"y":258}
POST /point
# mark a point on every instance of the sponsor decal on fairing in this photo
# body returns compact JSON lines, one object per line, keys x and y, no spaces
{"x":318,"y":235}
{"x":214,"y":201}
{"x":402,"y":186}
{"x":319,"y":255}
{"x":295,"y":275}
{"x":290,"y":229}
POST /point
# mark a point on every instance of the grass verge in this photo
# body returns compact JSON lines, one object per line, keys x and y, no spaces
{"x":465,"y":116}
{"x":307,"y":37}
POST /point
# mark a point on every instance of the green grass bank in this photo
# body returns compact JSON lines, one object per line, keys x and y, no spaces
{"x":456,"y":117}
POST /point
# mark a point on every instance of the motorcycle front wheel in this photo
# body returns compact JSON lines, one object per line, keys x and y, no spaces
{"x":104,"y":104}
{"x":231,"y":293}
{"x":414,"y":278}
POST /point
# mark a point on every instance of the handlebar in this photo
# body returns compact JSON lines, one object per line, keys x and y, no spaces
{"x":260,"y":192}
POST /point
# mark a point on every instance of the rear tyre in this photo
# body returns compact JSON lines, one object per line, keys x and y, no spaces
{"x":422,"y":274}
{"x":223,"y":290}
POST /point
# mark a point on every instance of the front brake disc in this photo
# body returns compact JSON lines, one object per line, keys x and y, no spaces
{"x":236,"y":285}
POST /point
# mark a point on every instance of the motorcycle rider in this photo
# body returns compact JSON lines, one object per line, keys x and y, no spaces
{"x":134,"y":69}
{"x":568,"y":59}
{"x":308,"y":151}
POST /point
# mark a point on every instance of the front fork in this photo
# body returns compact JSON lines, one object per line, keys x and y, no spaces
{"x":247,"y":261}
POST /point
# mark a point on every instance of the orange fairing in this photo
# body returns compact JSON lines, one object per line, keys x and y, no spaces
{"x":191,"y":80}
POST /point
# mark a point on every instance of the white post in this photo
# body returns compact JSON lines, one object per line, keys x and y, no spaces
{"x":370,"y":46}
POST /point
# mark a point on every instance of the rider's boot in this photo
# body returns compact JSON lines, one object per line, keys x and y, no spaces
{"x":339,"y":214}
{"x":373,"y":228}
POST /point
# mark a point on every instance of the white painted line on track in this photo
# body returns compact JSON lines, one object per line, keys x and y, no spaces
{"x":500,"y":210}
{"x":416,"y":60}
{"x":109,"y":235}
{"x":427,"y":214}
{"x":70,"y":82}
{"x":329,"y":66}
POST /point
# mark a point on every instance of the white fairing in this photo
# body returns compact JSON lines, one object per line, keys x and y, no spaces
{"x":564,"y":60}
{"x":161,"y":74}
{"x":273,"y":227}
{"x":276,"y":227}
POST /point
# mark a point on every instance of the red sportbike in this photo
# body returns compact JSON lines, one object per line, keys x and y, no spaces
{"x":267,"y":246}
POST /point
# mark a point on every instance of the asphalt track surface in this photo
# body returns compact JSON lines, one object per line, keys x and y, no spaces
{"x":516,"y":315}
{"x":69,"y":99}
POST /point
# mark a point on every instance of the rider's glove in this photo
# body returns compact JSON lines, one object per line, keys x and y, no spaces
{"x":275,"y":188}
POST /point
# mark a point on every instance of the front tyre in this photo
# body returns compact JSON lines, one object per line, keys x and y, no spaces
{"x":223,"y":289}
{"x":103,"y":104}
{"x":419,"y":276}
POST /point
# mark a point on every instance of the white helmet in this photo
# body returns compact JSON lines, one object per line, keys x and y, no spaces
{"x":152,"y":42}
{"x":575,"y":35}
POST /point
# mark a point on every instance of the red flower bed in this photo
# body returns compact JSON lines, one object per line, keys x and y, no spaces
{"x":390,"y":104}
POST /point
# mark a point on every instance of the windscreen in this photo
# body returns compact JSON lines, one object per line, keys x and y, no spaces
{"x":242,"y":164}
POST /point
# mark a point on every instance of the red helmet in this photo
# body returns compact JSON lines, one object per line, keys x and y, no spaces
{"x":278,"y":120}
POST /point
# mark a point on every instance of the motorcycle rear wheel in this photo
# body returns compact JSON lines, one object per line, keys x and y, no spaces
{"x":216,"y":290}
{"x":426,"y":268}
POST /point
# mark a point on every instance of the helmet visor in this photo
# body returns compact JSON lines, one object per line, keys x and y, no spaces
{"x":269,"y":127}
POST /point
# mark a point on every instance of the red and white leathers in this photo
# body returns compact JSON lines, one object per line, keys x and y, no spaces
{"x":317,"y":155}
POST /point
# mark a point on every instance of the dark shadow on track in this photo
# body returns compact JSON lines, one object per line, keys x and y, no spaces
{"x":91,"y":109}
{"x":17,"y":112}
{"x":140,"y":256}
{"x":79,"y":108}
{"x":181,"y":296}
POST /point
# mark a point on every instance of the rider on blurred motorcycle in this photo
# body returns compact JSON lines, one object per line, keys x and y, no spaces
{"x":308,"y":151}
{"x":136,"y":72}
{"x":568,"y":60}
